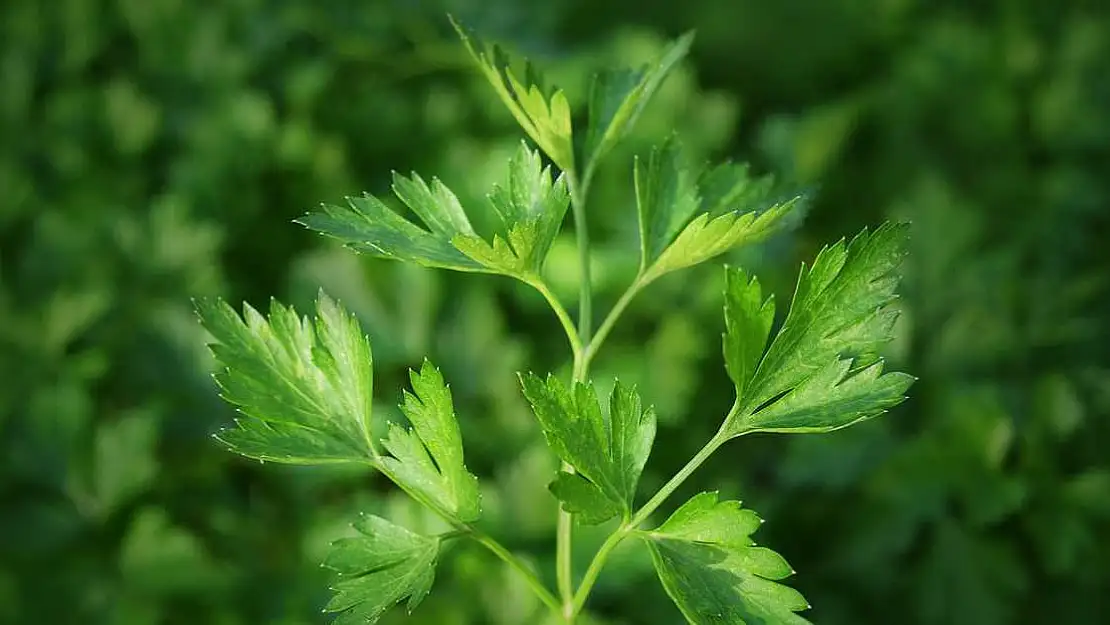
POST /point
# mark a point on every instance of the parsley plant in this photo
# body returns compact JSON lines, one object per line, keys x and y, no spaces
{"x":304,"y":386}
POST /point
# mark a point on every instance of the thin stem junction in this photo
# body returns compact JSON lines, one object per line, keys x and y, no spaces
{"x":640,"y":516}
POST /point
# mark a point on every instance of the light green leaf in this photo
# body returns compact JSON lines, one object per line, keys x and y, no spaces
{"x":428,"y":459}
{"x":304,"y":386}
{"x":368,"y":226}
{"x":542,"y":112}
{"x":705,"y":238}
{"x":687,"y":218}
{"x":530,"y":205}
{"x":820,"y":372}
{"x":714,"y":572}
{"x":378,"y":569}
{"x":617,"y":97}
{"x":436,"y":205}
{"x":607,"y":450}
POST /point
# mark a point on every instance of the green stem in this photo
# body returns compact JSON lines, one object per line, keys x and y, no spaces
{"x":610,"y":320}
{"x":564,"y":317}
{"x":528,"y":574}
{"x":564,"y":565}
{"x":668,"y":489}
{"x":582,"y":237}
{"x":598,"y":563}
{"x":641,"y":515}
{"x":563,"y":562}
{"x":484,"y":539}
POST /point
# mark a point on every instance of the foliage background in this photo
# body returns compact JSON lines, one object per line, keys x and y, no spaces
{"x":156,"y":150}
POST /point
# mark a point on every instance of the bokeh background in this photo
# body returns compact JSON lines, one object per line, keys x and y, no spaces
{"x":154,"y":151}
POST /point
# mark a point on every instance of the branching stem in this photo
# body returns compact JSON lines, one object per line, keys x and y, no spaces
{"x":564,"y":318}
{"x":610,"y":320}
{"x":487,"y":541}
{"x":641,"y":515}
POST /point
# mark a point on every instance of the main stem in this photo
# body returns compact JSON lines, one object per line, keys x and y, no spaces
{"x":564,"y":565}
{"x":582,"y":237}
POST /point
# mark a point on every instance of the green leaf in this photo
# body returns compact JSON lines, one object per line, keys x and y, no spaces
{"x":582,"y":498}
{"x":531,"y":208}
{"x":666,"y":198}
{"x":714,"y":572}
{"x":304,"y":387}
{"x":820,"y":372}
{"x":607,"y":450}
{"x":687,"y":217}
{"x":428,"y":460}
{"x":731,"y":184}
{"x":368,"y":226}
{"x":530,"y":205}
{"x":542,"y":112}
{"x":748,"y":319}
{"x":618,"y":97}
{"x":378,"y":569}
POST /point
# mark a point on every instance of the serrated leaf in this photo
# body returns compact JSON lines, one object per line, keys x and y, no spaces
{"x":531,"y":207}
{"x":748,"y":319}
{"x":607,"y":450}
{"x":705,"y":238}
{"x":382,"y":567}
{"x":618,"y":97}
{"x":687,"y":217}
{"x":820,"y":372}
{"x":542,"y":112}
{"x":666,"y":198}
{"x":530,"y":204}
{"x":368,"y":226}
{"x":428,"y":458}
{"x":304,"y":386}
{"x":714,"y":572}
{"x":728,"y":185}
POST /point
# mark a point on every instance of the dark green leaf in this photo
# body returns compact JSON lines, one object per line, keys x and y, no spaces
{"x":666,"y":196}
{"x":748,"y":319}
{"x":379,"y":569}
{"x":820,"y":372}
{"x":428,"y":459}
{"x":582,"y":498}
{"x":729,"y":185}
{"x":304,"y":387}
{"x":608,"y":451}
{"x":714,"y":572}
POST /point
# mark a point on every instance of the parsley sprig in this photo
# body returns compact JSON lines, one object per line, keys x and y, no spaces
{"x":304,"y":386}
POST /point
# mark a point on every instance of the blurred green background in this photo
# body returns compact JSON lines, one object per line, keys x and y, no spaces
{"x":155,"y":151}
